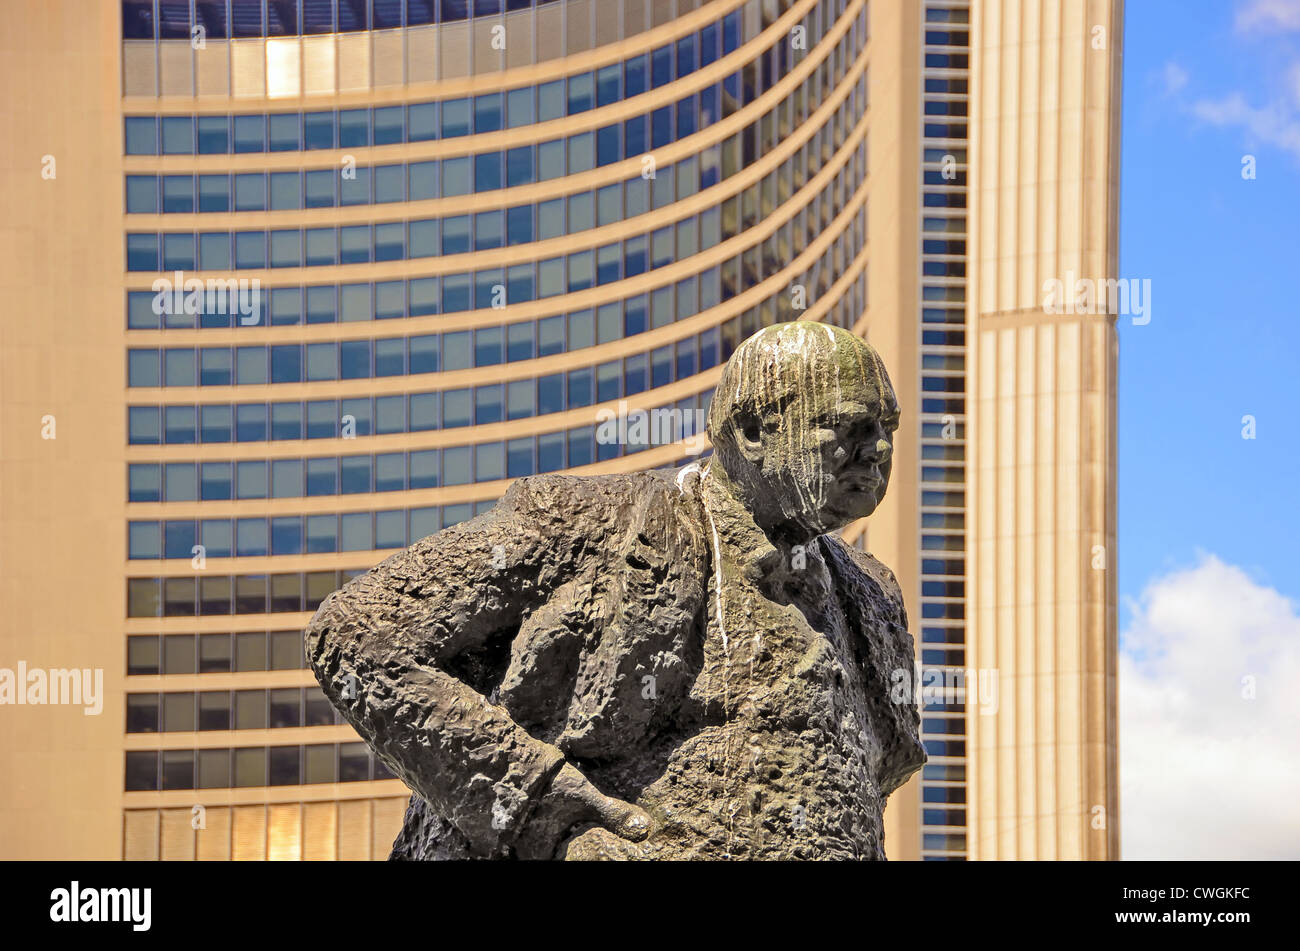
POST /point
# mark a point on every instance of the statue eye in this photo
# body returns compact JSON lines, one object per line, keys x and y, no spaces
{"x":751,"y":431}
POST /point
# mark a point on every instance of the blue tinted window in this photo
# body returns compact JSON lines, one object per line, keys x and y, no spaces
{"x":388,"y":121}
{"x":214,"y":135}
{"x":455,"y":234}
{"x":519,"y":106}
{"x":422,"y":122}
{"x":488,"y":112}
{"x":609,"y":85}
{"x":250,"y":134}
{"x":455,"y":117}
{"x":179,"y":254}
{"x":286,"y":131}
{"x":317,"y":130}
{"x":177,"y":135}
{"x":142,"y":252}
{"x":661,"y":67}
{"x":214,"y":192}
{"x":141,"y":194}
{"x":634,"y":76}
{"x":141,"y":135}
{"x":456,"y":176}
{"x":519,"y":166}
{"x":144,"y":425}
{"x":320,"y":188}
{"x":550,"y":101}
{"x":582,"y":93}
{"x":487,"y":171}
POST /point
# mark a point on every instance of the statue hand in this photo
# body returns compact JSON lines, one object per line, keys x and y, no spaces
{"x":573,"y":800}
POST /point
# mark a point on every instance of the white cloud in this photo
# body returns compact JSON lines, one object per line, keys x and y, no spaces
{"x":1206,"y":773}
{"x":1175,"y":77}
{"x":1276,"y":125}
{"x":1268,"y":15}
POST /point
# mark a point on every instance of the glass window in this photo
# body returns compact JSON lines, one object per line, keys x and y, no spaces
{"x":423,"y":180}
{"x":456,"y":408}
{"x":142,"y":194}
{"x":322,"y":476}
{"x":390,"y":183}
{"x":286,"y":248}
{"x":550,"y":336}
{"x":388,"y":120}
{"x":177,"y":135}
{"x":354,"y":186}
{"x":390,"y":472}
{"x":142,"y":252}
{"x":286,"y":362}
{"x":322,"y":419}
{"x":424,"y":469}
{"x":356,"y":532}
{"x":286,"y":190}
{"x":456,"y":464}
{"x":456,"y":174}
{"x":354,"y":127}
{"x":488,"y":112}
{"x":141,"y":135}
{"x":550,"y":160}
{"x":317,"y":129}
{"x":319,"y":187}
{"x":424,"y":354}
{"x":250,"y":134}
{"x":250,"y":249}
{"x":519,"y":106}
{"x":582,"y":152}
{"x":455,"y":117}
{"x":321,"y":305}
{"x":250,"y":480}
{"x":422,"y":120}
{"x":390,"y":529}
{"x":322,"y":533}
{"x":354,"y":244}
{"x":550,"y":101}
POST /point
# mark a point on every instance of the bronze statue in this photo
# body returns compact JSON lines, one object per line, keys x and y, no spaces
{"x":657,"y":665}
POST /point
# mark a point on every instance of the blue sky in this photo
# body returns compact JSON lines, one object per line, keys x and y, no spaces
{"x":1205,"y":83}
{"x":1209,"y":582}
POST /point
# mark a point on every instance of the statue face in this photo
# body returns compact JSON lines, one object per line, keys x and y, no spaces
{"x":836,"y":468}
{"x":812,"y":415}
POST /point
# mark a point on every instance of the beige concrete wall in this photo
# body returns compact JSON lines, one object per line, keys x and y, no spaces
{"x":62,"y":500}
{"x":1041,"y":594}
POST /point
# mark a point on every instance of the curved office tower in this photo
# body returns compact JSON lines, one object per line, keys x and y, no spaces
{"x":293,"y":283}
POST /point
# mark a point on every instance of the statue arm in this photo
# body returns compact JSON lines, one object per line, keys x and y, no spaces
{"x":394,"y":649}
{"x":404,"y":651}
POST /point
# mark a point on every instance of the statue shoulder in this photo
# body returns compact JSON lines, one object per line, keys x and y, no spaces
{"x":873,"y":570}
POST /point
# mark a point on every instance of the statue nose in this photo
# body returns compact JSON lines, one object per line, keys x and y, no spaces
{"x":875,"y":450}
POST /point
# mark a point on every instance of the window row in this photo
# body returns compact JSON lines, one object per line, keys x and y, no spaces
{"x":199,"y":539}
{"x":175,"y":19}
{"x":190,"y":711}
{"x":490,"y":112}
{"x":398,"y":471}
{"x":222,"y":304}
{"x":252,"y":594}
{"x":487,"y":346}
{"x":153,"y":770}
{"x":459,"y":234}
{"x":148,"y":654}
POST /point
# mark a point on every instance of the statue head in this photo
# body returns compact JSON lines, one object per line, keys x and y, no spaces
{"x":802,"y":425}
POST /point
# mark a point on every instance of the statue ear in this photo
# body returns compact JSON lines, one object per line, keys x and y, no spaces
{"x":749,"y":437}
